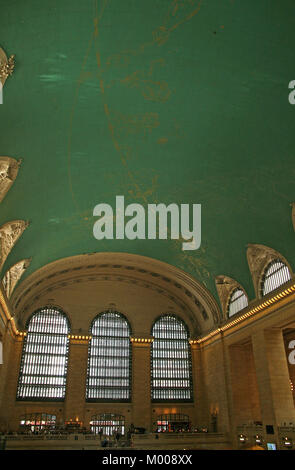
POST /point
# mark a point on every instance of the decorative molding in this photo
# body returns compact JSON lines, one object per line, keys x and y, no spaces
{"x":6,"y":66}
{"x":259,"y":256}
{"x":8,"y":172}
{"x":225,"y":286}
{"x":256,"y":311}
{"x":196,"y":302}
{"x":13,"y":275}
{"x":9,"y":234}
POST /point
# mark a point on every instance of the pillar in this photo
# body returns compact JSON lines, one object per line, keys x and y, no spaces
{"x":76,"y":381}
{"x":141,"y":382}
{"x":272,"y":373}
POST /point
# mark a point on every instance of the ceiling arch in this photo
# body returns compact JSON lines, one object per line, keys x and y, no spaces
{"x":194,"y":301}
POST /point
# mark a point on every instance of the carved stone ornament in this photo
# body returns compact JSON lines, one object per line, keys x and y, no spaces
{"x":8,"y":172}
{"x":9,"y":234}
{"x":225,"y":285}
{"x":259,"y":256}
{"x":6,"y":66}
{"x":13,"y":275}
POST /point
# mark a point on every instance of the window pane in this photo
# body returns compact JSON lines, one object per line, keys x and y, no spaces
{"x":107,"y":424}
{"x":109,"y":359}
{"x":45,"y":357}
{"x":171,"y":361}
{"x":276,"y":274}
{"x":37,"y":422}
{"x":237,"y":302}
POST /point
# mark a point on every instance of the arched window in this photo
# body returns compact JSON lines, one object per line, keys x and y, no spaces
{"x":238,"y":300}
{"x":44,"y":360}
{"x":107,"y":424}
{"x":275,"y":275}
{"x":109,"y":359}
{"x":171,"y":367}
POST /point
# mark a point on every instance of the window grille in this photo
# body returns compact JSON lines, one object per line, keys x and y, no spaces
{"x":109,"y":359}
{"x":275,"y":275}
{"x":107,"y":424}
{"x":44,"y":360}
{"x":173,"y":422}
{"x":171,"y":366}
{"x":238,"y":301}
{"x":37,"y":422}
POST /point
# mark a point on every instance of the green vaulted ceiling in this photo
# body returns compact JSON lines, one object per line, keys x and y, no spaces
{"x":182,"y":101}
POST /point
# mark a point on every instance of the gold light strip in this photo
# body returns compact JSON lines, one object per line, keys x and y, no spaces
{"x":141,"y":340}
{"x":80,"y":337}
{"x":264,"y":305}
{"x":276,"y":298}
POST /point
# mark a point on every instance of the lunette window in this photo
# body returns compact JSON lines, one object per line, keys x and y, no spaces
{"x":43,"y":369}
{"x":238,"y":301}
{"x":276,"y":274}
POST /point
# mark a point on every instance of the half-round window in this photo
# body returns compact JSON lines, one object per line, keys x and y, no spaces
{"x":275,"y":275}
{"x":238,"y":300}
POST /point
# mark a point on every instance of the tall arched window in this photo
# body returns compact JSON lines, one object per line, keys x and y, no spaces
{"x":109,"y":359}
{"x":44,"y":360}
{"x":238,"y":300}
{"x":171,"y":367}
{"x":275,"y":275}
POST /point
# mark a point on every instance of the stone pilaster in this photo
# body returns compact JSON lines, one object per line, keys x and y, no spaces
{"x":141,"y":382}
{"x":273,"y":381}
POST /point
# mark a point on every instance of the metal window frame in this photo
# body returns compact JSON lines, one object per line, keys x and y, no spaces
{"x":231,"y":301}
{"x":39,"y":353}
{"x":189,"y":362}
{"x":108,"y":416}
{"x":266,"y":276}
{"x":88,"y":377}
{"x":37,"y":416}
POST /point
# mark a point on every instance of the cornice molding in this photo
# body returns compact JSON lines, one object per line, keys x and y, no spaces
{"x":181,"y":288}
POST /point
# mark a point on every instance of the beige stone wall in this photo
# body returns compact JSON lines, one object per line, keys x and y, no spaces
{"x":216,"y":385}
{"x":244,"y":390}
{"x":240,"y":375}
